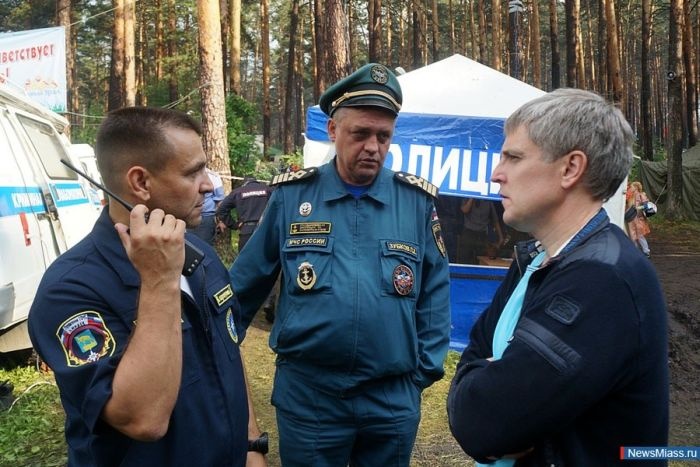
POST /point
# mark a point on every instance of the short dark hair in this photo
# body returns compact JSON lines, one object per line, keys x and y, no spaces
{"x":135,"y":136}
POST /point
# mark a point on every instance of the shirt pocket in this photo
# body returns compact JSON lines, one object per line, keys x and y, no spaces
{"x":308,"y":264}
{"x":399,"y":263}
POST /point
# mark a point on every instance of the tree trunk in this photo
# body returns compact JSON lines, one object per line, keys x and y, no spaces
{"x":116,"y":77}
{"x":536,"y":49}
{"x":63,"y":13}
{"x":265,"y":46}
{"x":475,"y":47}
{"x":435,"y":32}
{"x":602,"y":56}
{"x":554,"y":44}
{"x":453,"y":38}
{"x":674,"y":203}
{"x":691,"y":93}
{"x":645,"y":101}
{"x":572,"y":17}
{"x":160,"y":42}
{"x":225,"y":41}
{"x":337,"y":60}
{"x":614,"y":71}
{"x":212,"y":87}
{"x":172,"y":67}
{"x":496,"y":34}
{"x":589,"y":76}
{"x":288,"y":122}
{"x":374,"y":11}
{"x":417,"y":35}
{"x":515,"y":11}
{"x":141,"y":48}
{"x":319,"y":50}
{"x":235,"y":52}
{"x":483,"y":58}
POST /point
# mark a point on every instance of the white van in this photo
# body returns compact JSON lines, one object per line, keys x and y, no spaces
{"x":44,"y":207}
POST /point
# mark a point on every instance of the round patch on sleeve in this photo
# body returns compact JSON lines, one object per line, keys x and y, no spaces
{"x":85,"y":338}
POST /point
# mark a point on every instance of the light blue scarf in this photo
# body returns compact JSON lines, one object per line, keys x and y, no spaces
{"x":506,"y":327}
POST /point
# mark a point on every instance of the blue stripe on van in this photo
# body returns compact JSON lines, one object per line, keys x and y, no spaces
{"x":17,"y":199}
{"x":68,"y":194}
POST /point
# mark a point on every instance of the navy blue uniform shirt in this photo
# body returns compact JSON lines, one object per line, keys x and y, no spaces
{"x":80,"y":323}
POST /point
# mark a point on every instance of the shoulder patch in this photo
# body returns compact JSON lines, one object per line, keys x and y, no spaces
{"x":85,"y":338}
{"x":294,"y":176}
{"x":418,"y":182}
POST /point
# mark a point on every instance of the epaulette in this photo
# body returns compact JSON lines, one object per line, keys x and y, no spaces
{"x":300,"y":174}
{"x":418,"y":182}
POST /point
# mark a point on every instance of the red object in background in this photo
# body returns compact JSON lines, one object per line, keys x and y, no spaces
{"x":25,"y":229}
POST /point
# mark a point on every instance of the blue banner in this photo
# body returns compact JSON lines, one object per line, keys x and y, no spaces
{"x":68,"y":194}
{"x":18,"y":199}
{"x":455,"y":153}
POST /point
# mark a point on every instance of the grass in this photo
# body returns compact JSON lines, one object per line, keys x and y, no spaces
{"x":31,"y":431}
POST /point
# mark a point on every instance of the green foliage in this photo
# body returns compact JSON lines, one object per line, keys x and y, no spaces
{"x":295,"y":159}
{"x":31,"y":433}
{"x":241,"y":118}
{"x":19,"y":15}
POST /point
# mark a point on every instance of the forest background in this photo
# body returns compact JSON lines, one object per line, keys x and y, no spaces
{"x":252,"y":67}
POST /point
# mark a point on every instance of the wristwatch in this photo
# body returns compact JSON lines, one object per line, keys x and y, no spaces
{"x":259,"y":445}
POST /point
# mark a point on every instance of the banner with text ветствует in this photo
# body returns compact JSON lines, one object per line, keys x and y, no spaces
{"x":34,"y":62}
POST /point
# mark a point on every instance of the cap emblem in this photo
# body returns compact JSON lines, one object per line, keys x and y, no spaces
{"x":379,"y":74}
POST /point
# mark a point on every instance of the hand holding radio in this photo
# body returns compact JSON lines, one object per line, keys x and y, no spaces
{"x":154,"y":242}
{"x":193,"y":255}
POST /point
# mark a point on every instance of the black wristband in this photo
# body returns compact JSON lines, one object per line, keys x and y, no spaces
{"x":259,"y":445}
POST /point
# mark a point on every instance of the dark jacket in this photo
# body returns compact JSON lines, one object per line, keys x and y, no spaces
{"x":586,"y":371}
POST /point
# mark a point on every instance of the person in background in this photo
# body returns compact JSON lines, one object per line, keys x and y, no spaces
{"x":479,"y":217}
{"x":638,"y":227}
{"x":452,"y":222}
{"x":363,"y":318}
{"x":147,"y":360}
{"x":569,"y":363}
{"x":249,"y":201}
{"x":206,"y":230}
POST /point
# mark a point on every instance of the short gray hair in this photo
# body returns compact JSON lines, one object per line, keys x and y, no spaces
{"x":567,"y":119}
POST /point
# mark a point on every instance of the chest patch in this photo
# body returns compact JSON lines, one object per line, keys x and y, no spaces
{"x":85,"y":338}
{"x":563,"y":310}
{"x":307,"y":241}
{"x":224,"y":294}
{"x":302,"y":228}
{"x":404,"y":247}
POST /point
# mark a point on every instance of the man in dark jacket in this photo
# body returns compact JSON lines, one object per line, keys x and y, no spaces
{"x":568,"y":365}
{"x":249,"y":201}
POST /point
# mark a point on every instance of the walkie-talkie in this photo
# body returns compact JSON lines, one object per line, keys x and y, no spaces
{"x":193,"y":255}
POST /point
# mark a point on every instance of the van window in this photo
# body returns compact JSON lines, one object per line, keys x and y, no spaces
{"x":48,"y":147}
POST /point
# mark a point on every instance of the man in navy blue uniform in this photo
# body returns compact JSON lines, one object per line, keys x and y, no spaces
{"x":147,"y":360}
{"x":569,"y":362}
{"x":363,"y":319}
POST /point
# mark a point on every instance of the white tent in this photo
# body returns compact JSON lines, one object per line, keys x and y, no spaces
{"x":450,"y":131}
{"x":450,"y":128}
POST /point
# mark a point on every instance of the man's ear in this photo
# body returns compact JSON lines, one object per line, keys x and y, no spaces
{"x":331,"y":129}
{"x":573,"y":168}
{"x":138,"y":182}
